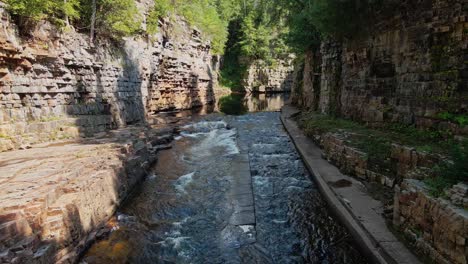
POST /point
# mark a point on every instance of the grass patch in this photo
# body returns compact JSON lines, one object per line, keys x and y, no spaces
{"x":422,"y":139}
{"x":460,"y":119}
{"x":372,"y":142}
{"x":451,"y":172}
{"x":377,"y":142}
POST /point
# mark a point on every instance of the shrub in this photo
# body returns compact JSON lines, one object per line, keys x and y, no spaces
{"x":450,"y":172}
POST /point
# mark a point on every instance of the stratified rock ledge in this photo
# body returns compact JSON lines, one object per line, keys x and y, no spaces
{"x":55,"y":196}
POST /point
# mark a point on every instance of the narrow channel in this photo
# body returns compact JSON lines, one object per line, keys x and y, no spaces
{"x":232,"y":189}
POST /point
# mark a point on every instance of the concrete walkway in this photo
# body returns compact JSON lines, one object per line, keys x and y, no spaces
{"x":361,"y":214}
{"x":241,"y":192}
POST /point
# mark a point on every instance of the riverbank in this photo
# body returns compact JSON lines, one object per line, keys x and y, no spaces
{"x":348,"y":199}
{"x":55,"y":196}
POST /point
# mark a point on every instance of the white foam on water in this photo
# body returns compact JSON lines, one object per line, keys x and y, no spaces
{"x":247,"y":228}
{"x":179,"y":224}
{"x":205,"y":125}
{"x":192,"y":135}
{"x":174,"y":242}
{"x":214,"y":137}
{"x":276,"y":221}
{"x":183,"y":181}
{"x":273,"y":156}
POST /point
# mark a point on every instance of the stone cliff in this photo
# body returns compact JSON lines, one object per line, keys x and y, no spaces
{"x":55,"y":85}
{"x":261,"y":78}
{"x":411,"y":68}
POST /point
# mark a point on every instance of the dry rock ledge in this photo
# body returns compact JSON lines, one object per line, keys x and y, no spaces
{"x":359,"y":212}
{"x":55,"y":196}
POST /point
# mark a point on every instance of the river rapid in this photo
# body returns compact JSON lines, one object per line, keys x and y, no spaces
{"x":183,"y":212}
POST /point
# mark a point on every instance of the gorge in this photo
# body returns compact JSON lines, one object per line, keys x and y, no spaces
{"x":225,"y":131}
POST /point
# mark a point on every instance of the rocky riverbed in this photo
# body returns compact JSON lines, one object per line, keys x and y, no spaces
{"x":231,"y":190}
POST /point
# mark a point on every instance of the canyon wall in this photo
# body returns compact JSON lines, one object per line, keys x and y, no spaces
{"x":410,"y":68}
{"x":54,"y":84}
{"x":261,"y":78}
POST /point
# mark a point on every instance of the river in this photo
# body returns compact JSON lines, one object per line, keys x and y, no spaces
{"x":232,"y":189}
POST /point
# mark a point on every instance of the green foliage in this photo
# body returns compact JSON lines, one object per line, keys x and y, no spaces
{"x":71,"y":9}
{"x":34,"y":9}
{"x":255,"y":39}
{"x":450,"y":172}
{"x":160,"y":10}
{"x":232,"y":70}
{"x":119,"y":17}
{"x":231,"y":76}
{"x":460,"y":119}
{"x":204,"y":15}
{"x":412,"y":134}
{"x":211,"y":17}
{"x":56,"y":10}
{"x":314,"y":123}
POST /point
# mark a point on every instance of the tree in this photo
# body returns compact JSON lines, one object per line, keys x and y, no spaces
{"x":59,"y":11}
{"x":110,"y":18}
{"x":93,"y":21}
{"x":118,"y":18}
{"x":161,"y":9}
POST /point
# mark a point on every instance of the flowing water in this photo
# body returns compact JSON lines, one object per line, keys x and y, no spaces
{"x":183,"y":211}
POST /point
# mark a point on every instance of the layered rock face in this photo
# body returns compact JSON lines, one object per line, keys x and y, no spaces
{"x":56,"y":196}
{"x":56,"y":85}
{"x":269,"y":79}
{"x":412,"y":67}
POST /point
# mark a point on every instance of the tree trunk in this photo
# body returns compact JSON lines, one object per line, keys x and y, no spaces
{"x":93,"y":22}
{"x":67,"y":20}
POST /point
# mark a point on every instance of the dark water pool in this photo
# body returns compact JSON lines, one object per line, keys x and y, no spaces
{"x":236,"y":104}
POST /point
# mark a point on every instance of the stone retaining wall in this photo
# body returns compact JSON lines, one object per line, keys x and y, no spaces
{"x":406,"y":162}
{"x":438,"y":229}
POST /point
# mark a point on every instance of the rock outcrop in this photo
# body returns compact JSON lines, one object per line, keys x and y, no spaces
{"x":261,"y":78}
{"x":55,"y":85}
{"x":56,"y":196}
{"x":411,"y":68}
